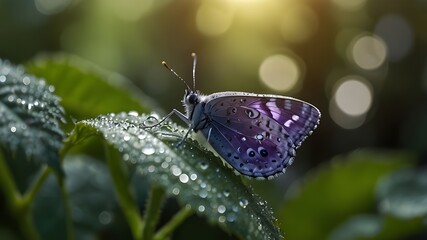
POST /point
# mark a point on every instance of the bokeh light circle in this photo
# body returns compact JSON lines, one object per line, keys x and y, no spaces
{"x":368,"y":52}
{"x":280,"y":72}
{"x":397,"y":34}
{"x":353,"y":96}
{"x":213,"y":20}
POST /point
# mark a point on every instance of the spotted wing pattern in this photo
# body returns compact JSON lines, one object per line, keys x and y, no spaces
{"x":258,"y":134}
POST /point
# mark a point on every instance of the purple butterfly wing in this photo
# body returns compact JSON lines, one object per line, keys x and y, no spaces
{"x":252,"y":152}
{"x":298,"y":117}
{"x":258,"y":134}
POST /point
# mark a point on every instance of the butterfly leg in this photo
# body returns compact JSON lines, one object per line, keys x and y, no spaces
{"x":185,"y":137}
{"x":174,"y":111}
{"x":182,"y":116}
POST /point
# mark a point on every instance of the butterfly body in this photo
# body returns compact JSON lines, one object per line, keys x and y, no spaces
{"x":255,"y":134}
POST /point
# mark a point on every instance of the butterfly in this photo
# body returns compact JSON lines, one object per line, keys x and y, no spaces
{"x":255,"y":134}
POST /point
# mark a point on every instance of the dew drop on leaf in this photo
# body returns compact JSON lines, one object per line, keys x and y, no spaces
{"x":243,"y":202}
{"x":204,"y":165}
{"x":183,"y":178}
{"x":175,"y":191}
{"x":226,"y":193}
{"x":231,"y":217}
{"x":221,"y":209}
{"x":201,"y":208}
{"x":126,"y":138}
{"x":105,"y":217}
{"x":203,"y":194}
{"x":176,"y":171}
{"x":148,"y":150}
{"x":193,"y":176}
{"x":151,"y":168}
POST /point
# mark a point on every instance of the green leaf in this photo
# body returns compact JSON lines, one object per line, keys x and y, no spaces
{"x":403,"y":194}
{"x":88,"y":91}
{"x":190,"y":173}
{"x":91,"y":198}
{"x":30,"y":117}
{"x":357,"y":227}
{"x":335,"y":192}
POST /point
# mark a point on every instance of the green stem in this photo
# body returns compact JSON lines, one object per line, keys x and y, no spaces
{"x":9,"y":188}
{"x":153,"y":210}
{"x":67,"y":208}
{"x":123,"y":193}
{"x":20,"y":210}
{"x":168,"y":228}
{"x":29,"y":196}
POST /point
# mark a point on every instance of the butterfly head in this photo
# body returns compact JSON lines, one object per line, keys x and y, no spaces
{"x":191,"y":97}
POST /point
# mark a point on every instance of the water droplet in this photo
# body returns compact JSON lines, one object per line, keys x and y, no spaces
{"x":126,"y":138}
{"x":175,"y":191}
{"x":193,"y":176}
{"x":176,"y":171}
{"x":201,"y":208}
{"x":148,"y":150}
{"x":165,"y":165}
{"x":231,"y":217}
{"x":161,"y":150}
{"x":183,"y":178}
{"x":141,"y":136}
{"x":243,"y":202}
{"x":221,"y":219}
{"x":221,"y":209}
{"x":133,"y":113}
{"x":226,"y":193}
{"x":204,"y":165}
{"x":13,"y":129}
{"x":203,"y":185}
{"x":2,"y":78}
{"x":151,"y":168}
{"x":150,"y":121}
{"x":260,"y":227}
{"x":105,"y":217}
{"x":125,"y":157}
{"x":235,"y":208}
{"x":26,"y":80}
{"x":51,"y":89}
{"x":203,"y":194}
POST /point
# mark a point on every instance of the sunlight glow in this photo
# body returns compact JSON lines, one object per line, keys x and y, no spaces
{"x":213,"y":20}
{"x":350,"y":5}
{"x":280,"y":72}
{"x":131,"y":10}
{"x":298,"y":23}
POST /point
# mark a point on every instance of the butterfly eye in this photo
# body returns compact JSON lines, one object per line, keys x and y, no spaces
{"x":192,"y":98}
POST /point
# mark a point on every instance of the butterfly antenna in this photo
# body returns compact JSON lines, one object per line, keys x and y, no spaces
{"x":176,"y":74}
{"x":194,"y":69}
